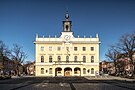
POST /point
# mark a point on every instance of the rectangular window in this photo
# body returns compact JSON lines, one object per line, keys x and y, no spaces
{"x":42,"y":58}
{"x":84,"y":70}
{"x":84,"y":48}
{"x":92,"y":70}
{"x":50,"y":70}
{"x":92,"y":59}
{"x":92,"y":48}
{"x":42,"y":70}
{"x":50,"y":59}
{"x":67,"y":58}
{"x":42,"y":48}
{"x":59,"y":48}
{"x":75,"y":48}
{"x":50,"y":48}
{"x":84,"y":59}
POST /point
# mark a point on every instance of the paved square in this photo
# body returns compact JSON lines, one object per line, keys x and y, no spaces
{"x":64,"y":83}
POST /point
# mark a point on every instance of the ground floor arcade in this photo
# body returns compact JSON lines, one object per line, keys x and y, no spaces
{"x":67,"y":70}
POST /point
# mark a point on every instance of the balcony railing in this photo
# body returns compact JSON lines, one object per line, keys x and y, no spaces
{"x":68,"y":62}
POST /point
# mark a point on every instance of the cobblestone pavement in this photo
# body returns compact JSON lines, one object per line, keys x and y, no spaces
{"x":64,"y":83}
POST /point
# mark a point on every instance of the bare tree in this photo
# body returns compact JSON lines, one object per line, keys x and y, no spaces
{"x":126,"y":46}
{"x":113,"y":55}
{"x":4,"y":54}
{"x":4,"y":51}
{"x":18,"y":55}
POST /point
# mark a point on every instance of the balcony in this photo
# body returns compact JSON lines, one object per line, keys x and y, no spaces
{"x":68,"y":62}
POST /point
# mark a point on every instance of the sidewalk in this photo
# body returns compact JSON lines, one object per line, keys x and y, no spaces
{"x":110,"y":78}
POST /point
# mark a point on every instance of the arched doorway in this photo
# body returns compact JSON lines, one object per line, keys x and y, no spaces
{"x":77,"y":71}
{"x":67,"y":71}
{"x":58,"y":71}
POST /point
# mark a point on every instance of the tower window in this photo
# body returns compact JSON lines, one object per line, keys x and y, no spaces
{"x":66,"y":27}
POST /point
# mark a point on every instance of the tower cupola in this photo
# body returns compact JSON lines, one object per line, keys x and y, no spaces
{"x":67,"y":23}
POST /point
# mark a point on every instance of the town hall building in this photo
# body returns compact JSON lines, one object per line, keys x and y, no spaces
{"x":67,"y":55}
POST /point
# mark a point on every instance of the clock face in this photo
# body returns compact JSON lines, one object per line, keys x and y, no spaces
{"x":67,"y":37}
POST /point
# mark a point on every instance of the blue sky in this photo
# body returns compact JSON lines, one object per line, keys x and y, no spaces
{"x":20,"y":20}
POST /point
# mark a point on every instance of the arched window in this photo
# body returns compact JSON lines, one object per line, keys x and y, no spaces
{"x":59,"y":58}
{"x":92,"y":59}
{"x":50,"y":58}
{"x":42,"y":58}
{"x":67,"y":58}
{"x":84,"y":70}
{"x":66,"y":27}
{"x":84,"y":59}
{"x":50,"y":70}
{"x":75,"y":58}
{"x":42,"y":70}
{"x":92,"y":70}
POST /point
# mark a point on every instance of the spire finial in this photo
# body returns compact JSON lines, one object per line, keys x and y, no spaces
{"x":66,"y":16}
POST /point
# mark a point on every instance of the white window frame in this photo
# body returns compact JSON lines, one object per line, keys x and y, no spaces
{"x":42,"y":48}
{"x":83,"y":48}
{"x":50,"y":48}
{"x":50,"y":59}
{"x":75,"y":48}
{"x":92,"y":48}
{"x":50,"y":70}
{"x":42,"y":71}
{"x":58,"y":48}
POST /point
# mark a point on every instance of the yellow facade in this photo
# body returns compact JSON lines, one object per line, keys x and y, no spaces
{"x":67,"y":55}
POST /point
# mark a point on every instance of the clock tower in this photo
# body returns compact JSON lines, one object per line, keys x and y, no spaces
{"x":67,"y":24}
{"x":67,"y":34}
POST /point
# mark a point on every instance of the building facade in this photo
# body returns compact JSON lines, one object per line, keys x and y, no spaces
{"x":29,"y":68}
{"x":6,"y":65}
{"x":107,"y":67}
{"x":67,"y":55}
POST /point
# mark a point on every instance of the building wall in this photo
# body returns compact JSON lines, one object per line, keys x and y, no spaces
{"x":63,"y":53}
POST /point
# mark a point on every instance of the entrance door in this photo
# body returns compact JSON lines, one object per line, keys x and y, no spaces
{"x":58,"y":71}
{"x":67,"y":71}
